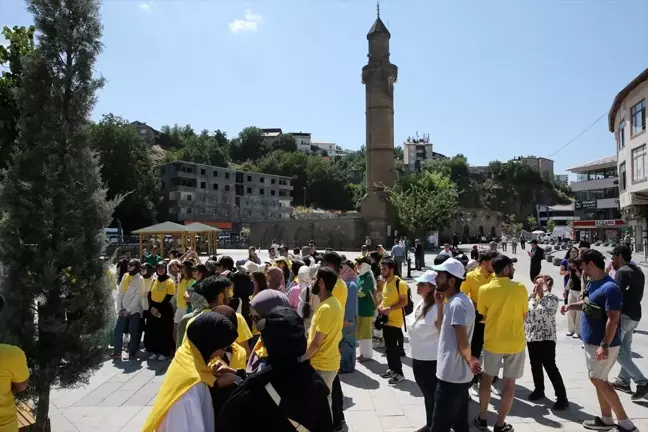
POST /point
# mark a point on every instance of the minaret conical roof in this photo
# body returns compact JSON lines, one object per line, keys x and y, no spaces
{"x":378,"y":27}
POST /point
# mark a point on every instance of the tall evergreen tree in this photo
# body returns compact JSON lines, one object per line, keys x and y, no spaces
{"x":54,"y":207}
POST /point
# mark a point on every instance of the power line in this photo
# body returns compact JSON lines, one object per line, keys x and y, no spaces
{"x":579,"y":135}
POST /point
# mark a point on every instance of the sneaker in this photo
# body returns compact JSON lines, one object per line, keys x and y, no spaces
{"x":570,"y":334}
{"x":495,"y":391}
{"x":504,"y":428}
{"x":536,"y":395}
{"x":561,"y":404}
{"x":474,"y":390}
{"x":481,"y":423}
{"x":153,"y":357}
{"x":640,"y":393}
{"x":576,"y":336}
{"x":597,"y":424}
{"x":622,"y":429}
{"x":126,"y":357}
{"x":619,"y":385}
{"x":387,"y":374}
{"x":162,"y":358}
{"x":396,"y":378}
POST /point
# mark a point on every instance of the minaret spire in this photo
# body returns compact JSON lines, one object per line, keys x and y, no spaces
{"x":378,"y":8}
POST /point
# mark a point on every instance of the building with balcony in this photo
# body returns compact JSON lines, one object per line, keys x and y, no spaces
{"x":542,"y":165}
{"x":627,"y":121}
{"x":596,"y":205}
{"x":223,"y":197}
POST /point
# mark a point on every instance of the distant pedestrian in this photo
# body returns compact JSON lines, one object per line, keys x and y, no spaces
{"x":398,"y":255}
{"x":514,"y":243}
{"x":536,"y":254}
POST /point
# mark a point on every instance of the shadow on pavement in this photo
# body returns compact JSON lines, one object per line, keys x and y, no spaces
{"x":360,"y":380}
{"x":539,"y":411}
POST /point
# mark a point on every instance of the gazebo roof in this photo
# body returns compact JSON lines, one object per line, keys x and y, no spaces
{"x":198,"y":227}
{"x":163,"y":228}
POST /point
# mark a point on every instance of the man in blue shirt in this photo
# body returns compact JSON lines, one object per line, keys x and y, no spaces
{"x":601,"y":336}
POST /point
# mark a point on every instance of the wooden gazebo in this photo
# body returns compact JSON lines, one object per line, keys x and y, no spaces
{"x":162,"y":229}
{"x":203,"y":229}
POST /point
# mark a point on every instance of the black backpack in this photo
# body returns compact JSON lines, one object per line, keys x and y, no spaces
{"x":409,"y":308}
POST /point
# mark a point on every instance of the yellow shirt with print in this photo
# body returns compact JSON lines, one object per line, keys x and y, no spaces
{"x":390,"y":297}
{"x":475,"y":280}
{"x":341,"y":292}
{"x":13,"y":369}
{"x":328,"y":320}
{"x":159,"y":290}
{"x":182,"y":289}
{"x":243,"y":329}
{"x":126,"y":280}
{"x":503,"y":303}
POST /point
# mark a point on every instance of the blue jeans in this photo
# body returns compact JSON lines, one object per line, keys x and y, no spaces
{"x":132,"y":322}
{"x":629,"y":369}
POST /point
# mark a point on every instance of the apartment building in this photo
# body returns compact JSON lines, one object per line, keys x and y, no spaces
{"x":305,"y":143}
{"x":417,"y":150}
{"x":596,"y":206}
{"x":562,"y":179}
{"x":152,"y":136}
{"x":542,"y":165}
{"x":224,"y":197}
{"x":627,"y":121}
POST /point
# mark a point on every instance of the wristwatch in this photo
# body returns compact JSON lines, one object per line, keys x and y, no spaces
{"x":605,"y":345}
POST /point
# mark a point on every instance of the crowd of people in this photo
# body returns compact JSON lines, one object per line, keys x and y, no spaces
{"x":273,"y":336}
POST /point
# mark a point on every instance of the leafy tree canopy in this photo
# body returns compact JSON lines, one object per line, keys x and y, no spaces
{"x":21,"y":44}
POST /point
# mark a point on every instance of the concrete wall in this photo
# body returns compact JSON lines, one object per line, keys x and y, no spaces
{"x":345,"y":233}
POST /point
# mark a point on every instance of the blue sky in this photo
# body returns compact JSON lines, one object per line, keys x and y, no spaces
{"x":490,"y":79}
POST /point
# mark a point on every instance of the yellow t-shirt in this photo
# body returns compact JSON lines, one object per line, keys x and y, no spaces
{"x":328,"y":319}
{"x":243,"y":330}
{"x":126,"y":280}
{"x":475,"y":280}
{"x":238,"y":360}
{"x":13,"y":369}
{"x":182,"y":289}
{"x":159,"y":290}
{"x":341,"y":292}
{"x":390,"y":297}
{"x":503,"y":302}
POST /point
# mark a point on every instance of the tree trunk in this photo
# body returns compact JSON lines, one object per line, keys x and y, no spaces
{"x":42,"y":409}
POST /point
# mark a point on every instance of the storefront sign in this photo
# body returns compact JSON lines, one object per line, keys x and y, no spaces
{"x":616,"y":223}
{"x":580,"y":205}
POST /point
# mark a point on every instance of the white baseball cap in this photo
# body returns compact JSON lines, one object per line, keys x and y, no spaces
{"x":452,"y":266}
{"x":428,"y":277}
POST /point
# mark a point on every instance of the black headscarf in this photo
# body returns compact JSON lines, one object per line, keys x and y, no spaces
{"x":211,"y":331}
{"x":149,"y":270}
{"x":137,"y":267}
{"x":165,"y":276}
{"x":283,"y":336}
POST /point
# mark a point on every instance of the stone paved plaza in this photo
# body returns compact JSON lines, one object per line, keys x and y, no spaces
{"x":120,"y":395}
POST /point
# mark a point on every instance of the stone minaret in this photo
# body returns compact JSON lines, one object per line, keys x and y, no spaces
{"x":379,"y":76}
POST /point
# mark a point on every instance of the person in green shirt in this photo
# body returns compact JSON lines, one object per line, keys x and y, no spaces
{"x":153,"y":258}
{"x":366,"y":307}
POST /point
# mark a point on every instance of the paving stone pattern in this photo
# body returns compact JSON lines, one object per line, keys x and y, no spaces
{"x":120,"y":395}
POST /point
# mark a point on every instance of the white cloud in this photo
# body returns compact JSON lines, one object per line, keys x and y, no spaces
{"x":146,"y":5}
{"x":249,"y":23}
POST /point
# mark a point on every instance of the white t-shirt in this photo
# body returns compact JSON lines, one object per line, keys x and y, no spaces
{"x":192,"y":412}
{"x":451,"y":366}
{"x":423,"y":334}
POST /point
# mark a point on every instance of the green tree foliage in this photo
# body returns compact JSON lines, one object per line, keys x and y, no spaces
{"x":54,"y":208}
{"x":532,"y":222}
{"x":250,"y":145}
{"x":127,"y":171}
{"x":428,"y":202}
{"x":551,"y":224}
{"x":283,"y":142}
{"x":511,"y":226}
{"x":21,"y":44}
{"x":178,"y":134}
{"x":206,"y":148}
